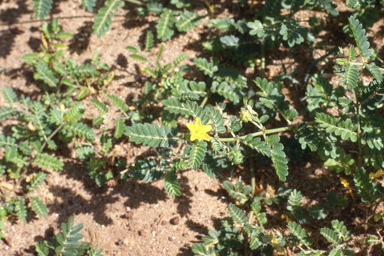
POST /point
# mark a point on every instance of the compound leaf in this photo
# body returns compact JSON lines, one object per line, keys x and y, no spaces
{"x":41,"y":8}
{"x":237,"y":214}
{"x":49,"y":162}
{"x":39,"y":207}
{"x":165,"y":25}
{"x":197,"y":154}
{"x":360,"y":37}
{"x":207,"y":67}
{"x":148,"y":134}
{"x":119,"y":103}
{"x":103,"y":19}
{"x":188,"y":21}
{"x":171,"y":184}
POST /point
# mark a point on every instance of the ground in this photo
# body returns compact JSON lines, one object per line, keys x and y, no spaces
{"x":132,"y":217}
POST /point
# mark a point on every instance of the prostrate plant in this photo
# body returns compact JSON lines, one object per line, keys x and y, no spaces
{"x":169,"y":19}
{"x":357,"y":121}
{"x":42,"y":122}
{"x":67,"y":242}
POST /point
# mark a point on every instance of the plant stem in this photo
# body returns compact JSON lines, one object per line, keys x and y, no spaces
{"x":135,"y":2}
{"x":51,"y":135}
{"x":282,"y":129}
{"x":359,"y":135}
{"x":262,"y":58}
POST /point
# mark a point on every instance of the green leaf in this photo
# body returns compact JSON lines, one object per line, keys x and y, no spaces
{"x":37,"y":181}
{"x":132,"y":49}
{"x":6,"y":112}
{"x":196,"y":156}
{"x":299,"y":233}
{"x":9,"y":95}
{"x":39,"y":207}
{"x":100,"y":106}
{"x":49,"y":162}
{"x":119,"y":103}
{"x":364,"y":186}
{"x":278,"y":157}
{"x":330,"y":235}
{"x":103,"y":19}
{"x":119,"y":127}
{"x":371,"y":240}
{"x":106,"y":143}
{"x":375,"y":71}
{"x":45,"y":74}
{"x":173,"y":105}
{"x":138,"y":57}
{"x":227,"y":91}
{"x":351,"y":76}
{"x":148,"y":134}
{"x":85,"y":152}
{"x":79,"y":129}
{"x":149,"y":41}
{"x":146,"y":170}
{"x":56,"y":116}
{"x":41,"y":249}
{"x":341,"y":229}
{"x":256,"y":28}
{"x":257,"y":144}
{"x":360,"y":37}
{"x":41,"y":8}
{"x":171,"y":184}
{"x":292,"y":32}
{"x":188,"y":20}
{"x":75,"y":113}
{"x":88,"y":4}
{"x":21,"y":209}
{"x":207,"y":67}
{"x":237,"y":214}
{"x":166,"y":24}
{"x":346,"y":128}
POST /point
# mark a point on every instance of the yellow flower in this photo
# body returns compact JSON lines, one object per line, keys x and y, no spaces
{"x":199,"y":131}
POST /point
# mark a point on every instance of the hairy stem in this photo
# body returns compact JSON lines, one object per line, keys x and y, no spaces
{"x":51,"y":135}
{"x":282,"y":129}
{"x":262,"y":58}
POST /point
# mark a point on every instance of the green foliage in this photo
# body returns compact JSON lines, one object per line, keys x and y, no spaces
{"x":41,"y":8}
{"x":165,"y":25}
{"x":39,"y":207}
{"x":360,"y":37}
{"x":207,"y":67}
{"x":88,"y":4}
{"x":67,"y":242}
{"x":188,"y":20}
{"x":171,"y":184}
{"x":151,"y":135}
{"x":103,"y":19}
{"x":197,"y":154}
{"x":147,"y":170}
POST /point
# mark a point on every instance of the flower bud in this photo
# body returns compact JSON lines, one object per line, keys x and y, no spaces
{"x":236,"y":156}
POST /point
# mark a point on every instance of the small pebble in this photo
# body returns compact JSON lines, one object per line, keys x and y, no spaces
{"x":164,"y":222}
{"x":175,"y":221}
{"x":120,"y":242}
{"x":141,"y":232}
{"x":128,"y":215}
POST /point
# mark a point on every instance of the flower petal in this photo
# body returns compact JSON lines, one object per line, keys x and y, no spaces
{"x":204,"y":136}
{"x":205,"y":128}
{"x":198,"y":123}
{"x":194,"y":136}
{"x":191,"y":127}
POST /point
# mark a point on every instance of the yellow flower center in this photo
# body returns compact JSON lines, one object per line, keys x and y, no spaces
{"x":199,"y":131}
